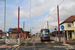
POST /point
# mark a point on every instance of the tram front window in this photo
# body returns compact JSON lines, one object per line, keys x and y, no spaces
{"x":45,"y":32}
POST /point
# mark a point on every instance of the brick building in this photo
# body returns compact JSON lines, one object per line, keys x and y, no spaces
{"x":15,"y":33}
{"x":1,"y":33}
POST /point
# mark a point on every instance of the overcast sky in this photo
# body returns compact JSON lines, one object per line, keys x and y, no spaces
{"x":41,"y":12}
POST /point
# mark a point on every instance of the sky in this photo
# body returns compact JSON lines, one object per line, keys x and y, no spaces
{"x":41,"y":12}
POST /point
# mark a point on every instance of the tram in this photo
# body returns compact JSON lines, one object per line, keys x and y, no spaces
{"x":45,"y":34}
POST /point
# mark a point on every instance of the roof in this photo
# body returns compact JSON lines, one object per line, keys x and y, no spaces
{"x":70,"y":19}
{"x":15,"y":30}
{"x":1,"y":31}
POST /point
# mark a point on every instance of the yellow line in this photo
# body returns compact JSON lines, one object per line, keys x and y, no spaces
{"x":8,"y":48}
{"x":17,"y":48}
{"x":13,"y":48}
{"x":67,"y":44}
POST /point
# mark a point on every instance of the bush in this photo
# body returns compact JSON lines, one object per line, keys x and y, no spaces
{"x":24,"y":38}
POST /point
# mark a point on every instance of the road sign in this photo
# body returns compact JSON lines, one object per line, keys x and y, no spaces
{"x":4,"y":32}
{"x":62,"y":27}
{"x":10,"y":29}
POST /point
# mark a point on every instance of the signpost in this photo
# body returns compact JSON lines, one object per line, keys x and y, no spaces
{"x":62,"y":27}
{"x":56,"y":32}
{"x":10,"y":30}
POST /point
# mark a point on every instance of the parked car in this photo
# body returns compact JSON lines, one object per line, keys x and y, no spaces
{"x":1,"y":38}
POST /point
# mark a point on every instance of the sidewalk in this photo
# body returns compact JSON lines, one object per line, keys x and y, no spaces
{"x":70,"y":44}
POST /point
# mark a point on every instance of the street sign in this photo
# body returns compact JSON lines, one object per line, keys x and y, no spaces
{"x":10,"y":29}
{"x":4,"y":32}
{"x":62,"y":27}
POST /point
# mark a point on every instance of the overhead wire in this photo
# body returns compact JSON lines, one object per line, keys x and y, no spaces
{"x":55,"y":8}
{"x":30,"y":14}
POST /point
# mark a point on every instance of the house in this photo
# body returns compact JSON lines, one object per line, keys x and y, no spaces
{"x":15,"y":32}
{"x":36,"y":34}
{"x":69,"y":27}
{"x":1,"y":33}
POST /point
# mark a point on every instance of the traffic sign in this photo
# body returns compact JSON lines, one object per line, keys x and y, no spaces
{"x":10,"y":29}
{"x":4,"y":32}
{"x":62,"y":27}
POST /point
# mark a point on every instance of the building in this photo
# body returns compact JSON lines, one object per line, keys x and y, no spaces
{"x":26,"y":34}
{"x":69,"y":27}
{"x":15,"y":32}
{"x":1,"y":33}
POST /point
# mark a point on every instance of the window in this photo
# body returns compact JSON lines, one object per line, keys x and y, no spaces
{"x":74,"y":24}
{"x":69,"y":24}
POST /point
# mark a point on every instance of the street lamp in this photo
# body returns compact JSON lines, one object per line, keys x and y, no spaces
{"x":4,"y":17}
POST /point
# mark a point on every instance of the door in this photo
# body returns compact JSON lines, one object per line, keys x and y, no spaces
{"x":70,"y":35}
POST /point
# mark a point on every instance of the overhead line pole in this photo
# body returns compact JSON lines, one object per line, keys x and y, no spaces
{"x":58,"y":21}
{"x":4,"y":19}
{"x":23,"y":28}
{"x":18,"y":20}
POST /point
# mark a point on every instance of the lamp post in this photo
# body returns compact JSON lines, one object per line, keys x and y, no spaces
{"x":4,"y":17}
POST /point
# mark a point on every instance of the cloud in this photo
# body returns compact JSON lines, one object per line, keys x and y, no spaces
{"x":66,"y":9}
{"x":0,"y":22}
{"x":39,"y":7}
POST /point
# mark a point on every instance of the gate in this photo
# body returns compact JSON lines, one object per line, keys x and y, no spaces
{"x":11,"y":40}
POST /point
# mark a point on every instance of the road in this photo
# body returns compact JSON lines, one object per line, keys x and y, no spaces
{"x":35,"y":44}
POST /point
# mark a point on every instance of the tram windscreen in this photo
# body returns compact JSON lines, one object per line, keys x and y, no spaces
{"x":45,"y":32}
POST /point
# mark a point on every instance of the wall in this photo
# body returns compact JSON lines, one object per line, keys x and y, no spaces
{"x":63,"y":25}
{"x":13,"y":34}
{"x":69,"y":28}
{"x":73,"y":36}
{"x":24,"y":35}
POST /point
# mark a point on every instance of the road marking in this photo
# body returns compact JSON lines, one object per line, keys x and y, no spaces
{"x":8,"y":48}
{"x":15,"y":45}
{"x":67,"y":44}
{"x":17,"y":48}
{"x":52,"y":41}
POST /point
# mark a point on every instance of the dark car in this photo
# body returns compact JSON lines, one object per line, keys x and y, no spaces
{"x":1,"y":38}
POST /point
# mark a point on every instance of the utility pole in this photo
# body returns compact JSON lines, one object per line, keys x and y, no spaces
{"x":30,"y":32}
{"x":18,"y":20}
{"x":58,"y":21}
{"x":23,"y":28}
{"x":4,"y":19}
{"x":47,"y":25}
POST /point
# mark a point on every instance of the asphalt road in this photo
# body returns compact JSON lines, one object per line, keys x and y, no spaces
{"x":36,"y":44}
